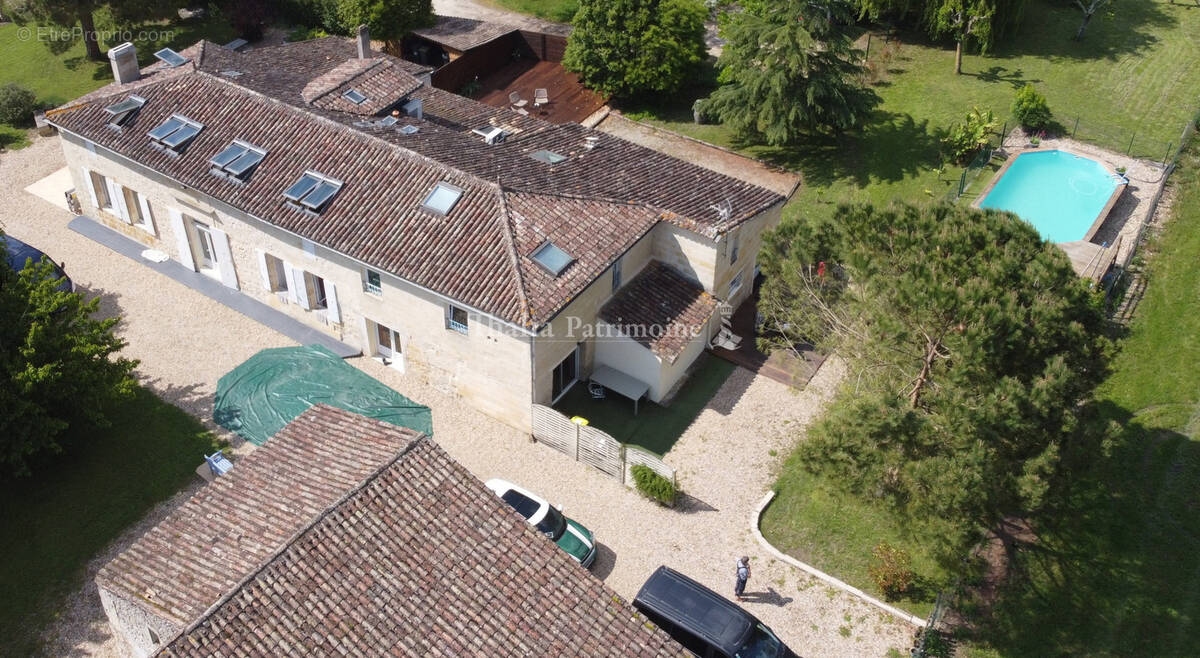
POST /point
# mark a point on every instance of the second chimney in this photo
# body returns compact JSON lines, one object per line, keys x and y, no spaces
{"x":364,"y":42}
{"x":124,"y":63}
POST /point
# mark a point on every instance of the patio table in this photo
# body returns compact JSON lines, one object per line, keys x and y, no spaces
{"x":622,"y":383}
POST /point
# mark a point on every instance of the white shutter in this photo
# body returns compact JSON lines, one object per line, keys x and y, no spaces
{"x":333,"y":312}
{"x":116,"y":197}
{"x":87,"y":178}
{"x":264,"y":269}
{"x":147,"y":216}
{"x":289,"y":273}
{"x":366,"y":332}
{"x":181,"y":238}
{"x":301,"y":288}
{"x":224,"y":259}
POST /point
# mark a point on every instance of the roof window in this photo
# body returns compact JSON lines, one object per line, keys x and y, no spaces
{"x":354,"y":96}
{"x":175,"y":133}
{"x":237,"y":160}
{"x":171,"y":58}
{"x":121,"y":113}
{"x":553,"y":258}
{"x":441,"y":198}
{"x":549,"y":157}
{"x":313,"y":191}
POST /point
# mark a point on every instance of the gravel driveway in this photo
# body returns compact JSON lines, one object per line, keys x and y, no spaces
{"x":725,"y":458}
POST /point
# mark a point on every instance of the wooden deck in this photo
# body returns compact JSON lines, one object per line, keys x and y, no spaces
{"x":569,"y":100}
{"x":780,"y":365}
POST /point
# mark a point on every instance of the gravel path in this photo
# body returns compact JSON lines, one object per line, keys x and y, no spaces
{"x":725,"y":461}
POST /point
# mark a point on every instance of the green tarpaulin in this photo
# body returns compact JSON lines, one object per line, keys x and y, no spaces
{"x":259,"y":397}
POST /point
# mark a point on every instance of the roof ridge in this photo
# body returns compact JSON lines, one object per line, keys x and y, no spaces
{"x":422,"y":439}
{"x":510,"y":244}
{"x":592,"y":197}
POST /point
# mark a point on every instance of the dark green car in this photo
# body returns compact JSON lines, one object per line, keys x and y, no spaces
{"x":572,"y":537}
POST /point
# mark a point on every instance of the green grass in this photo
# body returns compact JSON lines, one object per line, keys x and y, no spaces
{"x":815,"y":522}
{"x":655,"y":428}
{"x":561,"y":11}
{"x":53,"y":522}
{"x":1133,"y":76}
{"x":1116,"y":570}
{"x":60,"y":71}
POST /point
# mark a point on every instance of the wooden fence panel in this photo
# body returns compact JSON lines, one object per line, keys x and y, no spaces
{"x":555,"y":430}
{"x":635,"y":455}
{"x":602,"y":451}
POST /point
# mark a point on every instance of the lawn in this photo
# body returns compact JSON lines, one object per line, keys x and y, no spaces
{"x":1116,"y":571}
{"x":60,"y":73}
{"x":561,"y":11}
{"x":813,"y":521}
{"x":655,"y":428}
{"x":51,"y":524}
{"x":1134,"y":76}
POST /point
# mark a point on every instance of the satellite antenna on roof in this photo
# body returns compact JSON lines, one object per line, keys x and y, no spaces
{"x":724,"y":209}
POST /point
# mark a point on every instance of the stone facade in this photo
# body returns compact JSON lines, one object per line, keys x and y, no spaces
{"x":142,"y":631}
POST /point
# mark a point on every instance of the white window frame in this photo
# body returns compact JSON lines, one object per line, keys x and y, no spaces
{"x":372,"y":288}
{"x":616,"y":274}
{"x":454,"y":325}
{"x":102,"y":191}
{"x":735,"y":284}
{"x":140,"y":214}
{"x":575,"y":355}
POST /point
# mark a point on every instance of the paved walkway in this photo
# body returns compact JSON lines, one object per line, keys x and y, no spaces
{"x":186,"y":342}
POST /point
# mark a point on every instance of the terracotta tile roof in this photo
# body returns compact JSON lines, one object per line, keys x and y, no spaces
{"x":378,"y":79}
{"x":661,"y":309}
{"x":463,"y":34}
{"x":420,"y":559}
{"x":208,"y":545}
{"x":469,"y":255}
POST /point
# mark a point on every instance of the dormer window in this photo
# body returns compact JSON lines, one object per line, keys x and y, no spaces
{"x":442,"y":198}
{"x":312,"y":192}
{"x":237,"y":160}
{"x":354,"y":96}
{"x":121,"y":113}
{"x":175,"y":133}
{"x":552,"y":258}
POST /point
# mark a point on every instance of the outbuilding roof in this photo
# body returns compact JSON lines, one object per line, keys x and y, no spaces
{"x":415,"y":558}
{"x":661,"y":309}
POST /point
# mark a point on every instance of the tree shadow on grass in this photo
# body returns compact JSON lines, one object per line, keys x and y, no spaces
{"x":1000,"y":74}
{"x":1048,"y":30}
{"x":1116,"y":567}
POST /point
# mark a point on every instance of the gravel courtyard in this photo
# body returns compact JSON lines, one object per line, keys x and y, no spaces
{"x":725,"y":460}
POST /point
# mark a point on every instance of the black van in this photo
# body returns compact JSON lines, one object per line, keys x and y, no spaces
{"x":704,"y":622}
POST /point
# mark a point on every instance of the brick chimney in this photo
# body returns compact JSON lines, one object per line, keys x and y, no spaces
{"x":124,"y":63}
{"x":364,"y":42}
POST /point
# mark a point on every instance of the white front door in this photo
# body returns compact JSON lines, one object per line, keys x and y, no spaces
{"x":206,"y":250}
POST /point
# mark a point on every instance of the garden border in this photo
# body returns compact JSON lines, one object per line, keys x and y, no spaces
{"x":821,"y":575}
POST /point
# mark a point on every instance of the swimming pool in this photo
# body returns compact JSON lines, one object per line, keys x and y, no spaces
{"x":1065,"y":196}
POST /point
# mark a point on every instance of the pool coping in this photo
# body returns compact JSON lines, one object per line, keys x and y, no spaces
{"x":1100,"y":217}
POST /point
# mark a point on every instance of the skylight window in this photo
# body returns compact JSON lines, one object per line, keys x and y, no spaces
{"x":551,"y":257}
{"x":175,"y":132}
{"x":122,"y":112}
{"x":354,"y":96}
{"x":549,"y":157}
{"x":442,"y":198}
{"x":313,"y":191}
{"x":388,"y":121}
{"x":409,"y":130}
{"x":172,"y":58}
{"x":238,"y":159}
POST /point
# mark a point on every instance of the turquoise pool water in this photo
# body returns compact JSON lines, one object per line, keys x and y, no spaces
{"x":1060,"y":193}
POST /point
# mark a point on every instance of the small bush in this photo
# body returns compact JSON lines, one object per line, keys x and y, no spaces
{"x":17,"y":105}
{"x":652,"y":485}
{"x":972,"y":134}
{"x":891,"y":570}
{"x":1031,"y":110}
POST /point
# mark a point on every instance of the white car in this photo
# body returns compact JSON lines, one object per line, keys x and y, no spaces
{"x":576,"y":540}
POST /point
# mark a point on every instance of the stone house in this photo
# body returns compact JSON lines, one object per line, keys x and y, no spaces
{"x":470,"y":245}
{"x":389,"y":548}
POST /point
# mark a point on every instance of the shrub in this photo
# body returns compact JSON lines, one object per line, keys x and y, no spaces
{"x":653,"y":486}
{"x":1031,"y":110}
{"x":891,"y":569}
{"x":972,"y":134}
{"x":17,"y":105}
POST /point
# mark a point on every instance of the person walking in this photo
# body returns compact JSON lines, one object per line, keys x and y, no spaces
{"x":743,"y":574}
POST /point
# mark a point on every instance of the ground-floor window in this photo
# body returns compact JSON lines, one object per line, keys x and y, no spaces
{"x":315,"y":286}
{"x":100,"y":187}
{"x":139,"y":209}
{"x":206,"y":249}
{"x":566,"y":373}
